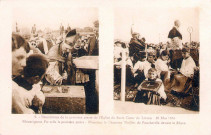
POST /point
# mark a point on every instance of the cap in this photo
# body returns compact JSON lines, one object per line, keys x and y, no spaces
{"x":71,"y":33}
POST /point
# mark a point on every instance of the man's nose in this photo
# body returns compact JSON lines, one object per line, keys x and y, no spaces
{"x":23,"y":62}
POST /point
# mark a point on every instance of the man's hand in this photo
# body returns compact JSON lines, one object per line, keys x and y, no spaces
{"x":38,"y":101}
{"x":59,"y":81}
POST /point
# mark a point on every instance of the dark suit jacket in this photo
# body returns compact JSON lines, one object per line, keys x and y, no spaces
{"x":93,"y":48}
{"x":174,"y":33}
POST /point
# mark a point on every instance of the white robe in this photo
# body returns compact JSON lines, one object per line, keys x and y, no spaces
{"x":160,"y":66}
{"x":147,"y":66}
{"x":138,"y":66}
{"x":22,"y":98}
{"x":188,"y":66}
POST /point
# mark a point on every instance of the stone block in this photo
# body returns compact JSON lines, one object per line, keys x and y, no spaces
{"x":64,"y":100}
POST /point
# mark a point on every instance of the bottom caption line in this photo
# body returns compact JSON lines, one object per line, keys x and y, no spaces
{"x":118,"y":120}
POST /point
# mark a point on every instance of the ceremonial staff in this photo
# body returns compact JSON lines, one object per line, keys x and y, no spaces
{"x":190,"y":30}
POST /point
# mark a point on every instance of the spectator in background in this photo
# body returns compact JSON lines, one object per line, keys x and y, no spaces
{"x":68,"y":28}
{"x":61,"y":30}
{"x":117,"y":51}
{"x":93,"y":45}
{"x":33,"y":31}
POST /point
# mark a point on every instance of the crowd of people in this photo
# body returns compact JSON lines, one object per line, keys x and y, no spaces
{"x":173,"y":63}
{"x":44,"y":60}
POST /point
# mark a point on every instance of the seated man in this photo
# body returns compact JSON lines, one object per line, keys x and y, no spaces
{"x":34,"y":72}
{"x":61,"y":69}
{"x":186,"y":71}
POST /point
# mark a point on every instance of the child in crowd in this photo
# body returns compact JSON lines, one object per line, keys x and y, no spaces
{"x":163,"y":48}
{"x":138,"y":69}
{"x":162,"y":67}
{"x":147,"y":96}
{"x":34,"y":72}
{"x":150,"y":63}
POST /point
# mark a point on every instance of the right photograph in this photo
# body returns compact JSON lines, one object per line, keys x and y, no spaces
{"x":156,"y":60}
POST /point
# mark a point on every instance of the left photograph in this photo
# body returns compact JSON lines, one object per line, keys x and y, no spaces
{"x":55,"y":61}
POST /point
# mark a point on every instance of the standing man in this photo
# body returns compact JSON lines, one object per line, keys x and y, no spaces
{"x":175,"y":36}
{"x":17,"y":29}
{"x":175,"y":45}
{"x":93,"y":47}
{"x":61,"y":30}
{"x":61,"y":69}
{"x":33,"y":31}
{"x":68,"y":28}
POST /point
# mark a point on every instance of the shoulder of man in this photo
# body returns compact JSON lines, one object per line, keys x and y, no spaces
{"x":53,"y":51}
{"x":172,"y":32}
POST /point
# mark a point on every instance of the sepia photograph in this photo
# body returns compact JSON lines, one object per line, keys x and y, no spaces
{"x":55,"y":61}
{"x":156,"y":60}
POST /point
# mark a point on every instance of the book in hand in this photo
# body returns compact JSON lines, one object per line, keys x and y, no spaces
{"x":152,"y":86}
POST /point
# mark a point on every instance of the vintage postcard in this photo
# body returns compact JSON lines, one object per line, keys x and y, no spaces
{"x":105,"y":67}
{"x":157,"y":49}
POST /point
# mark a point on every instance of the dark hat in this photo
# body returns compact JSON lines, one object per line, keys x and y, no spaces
{"x":71,"y":33}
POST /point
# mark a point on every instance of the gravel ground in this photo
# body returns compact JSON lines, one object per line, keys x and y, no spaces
{"x":140,"y":108}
